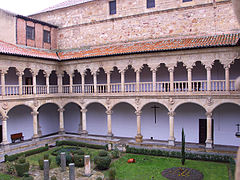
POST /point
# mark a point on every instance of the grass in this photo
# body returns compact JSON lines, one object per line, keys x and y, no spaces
{"x":147,"y":167}
{"x":8,"y":177}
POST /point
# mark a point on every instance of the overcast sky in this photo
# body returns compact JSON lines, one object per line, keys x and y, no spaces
{"x":27,"y":7}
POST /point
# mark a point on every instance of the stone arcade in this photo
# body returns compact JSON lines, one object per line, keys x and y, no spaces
{"x":76,"y":71}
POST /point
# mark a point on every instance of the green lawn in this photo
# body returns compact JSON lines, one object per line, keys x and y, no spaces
{"x":149,"y":166}
{"x":8,"y":177}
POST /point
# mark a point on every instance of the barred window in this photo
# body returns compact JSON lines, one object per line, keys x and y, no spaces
{"x":112,"y":7}
{"x":46,"y":36}
{"x":150,"y":3}
{"x":30,"y":32}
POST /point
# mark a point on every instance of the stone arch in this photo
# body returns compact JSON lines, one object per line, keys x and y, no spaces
{"x":153,"y":101}
{"x":92,"y":102}
{"x":73,"y":102}
{"x":44,"y":103}
{"x":20,"y":104}
{"x":127,"y":102}
{"x":184,"y":102}
{"x":229,"y":101}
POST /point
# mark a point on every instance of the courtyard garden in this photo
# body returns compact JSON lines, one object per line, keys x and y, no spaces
{"x":146,"y":165}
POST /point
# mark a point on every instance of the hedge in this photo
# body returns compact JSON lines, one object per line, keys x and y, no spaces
{"x":26,"y":153}
{"x":175,"y":154}
{"x":81,"y":144}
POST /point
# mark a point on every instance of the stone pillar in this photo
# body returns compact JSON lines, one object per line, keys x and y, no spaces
{"x":139,"y":135}
{"x":34,"y":75}
{"x":61,"y":120}
{"x":171,"y":75}
{"x":3,"y":82}
{"x":71,"y":83}
{"x":84,"y":121}
{"x":63,"y":161}
{"x":237,"y":171}
{"x":46,"y":169}
{"x":227,"y":82}
{"x":47,"y":82}
{"x":35,"y":124}
{"x":122,"y":80}
{"x":4,"y":130}
{"x":209,"y":141}
{"x":71,"y":171}
{"x":20,"y":74}
{"x":109,"y":82}
{"x":171,"y":140}
{"x":83,"y":81}
{"x":154,"y":79}
{"x":95,"y":82}
{"x":109,"y":122}
{"x":60,"y":80}
{"x":208,"y":78}
{"x":189,"y":70}
{"x":137,"y":80}
{"x":87,"y":165}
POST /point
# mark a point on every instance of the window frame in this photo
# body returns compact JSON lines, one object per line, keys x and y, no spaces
{"x":30,"y":32}
{"x":151,"y":4}
{"x":112,"y":7}
{"x":47,"y":38}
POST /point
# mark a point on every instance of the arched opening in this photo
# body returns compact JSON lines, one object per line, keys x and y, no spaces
{"x":225,"y":118}
{"x":115,"y":80}
{"x":27,"y":82}
{"x":77,"y":82}
{"x":189,"y":116}
{"x":41,"y":83}
{"x":234,"y":73}
{"x":162,"y":77}
{"x":145,"y":79}
{"x":101,"y":81}
{"x":124,"y":120}
{"x":217,"y":77}
{"x":199,"y":77}
{"x":130,"y":79}
{"x":96,"y":119}
{"x":66,"y":82}
{"x":89,"y":87}
{"x":53,"y":86}
{"x":20,"y":120}
{"x":72,"y":118}
{"x":11,"y":82}
{"x":154,"y":121}
{"x":180,"y":78}
{"x":48,"y":119}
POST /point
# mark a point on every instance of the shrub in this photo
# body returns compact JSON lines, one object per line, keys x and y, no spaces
{"x":99,"y":178}
{"x":10,"y":168}
{"x":69,"y":159}
{"x":232,"y":167}
{"x":78,"y":160}
{"x":27,"y":177}
{"x":112,"y":174}
{"x":21,"y":166}
{"x":53,"y":178}
{"x":80,"y":144}
{"x":115,"y":153}
{"x":103,"y":153}
{"x":41,"y":161}
{"x":102,"y":162}
{"x":78,"y":152}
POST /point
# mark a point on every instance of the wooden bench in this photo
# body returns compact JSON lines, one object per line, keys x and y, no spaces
{"x":17,"y":136}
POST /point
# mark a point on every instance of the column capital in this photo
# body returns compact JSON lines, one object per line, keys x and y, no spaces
{"x":226,"y":66}
{"x":34,"y":113}
{"x":83,"y":110}
{"x":19,"y":73}
{"x":4,"y":118}
{"x":171,"y":69}
{"x":34,"y":73}
{"x":45,"y":74}
{"x":61,"y":109}
{"x":154,"y":70}
{"x":171,"y":113}
{"x":209,"y":114}
{"x":189,"y":69}
{"x":138,"y":113}
{"x":208,"y":67}
{"x":109,"y":112}
{"x":3,"y":71}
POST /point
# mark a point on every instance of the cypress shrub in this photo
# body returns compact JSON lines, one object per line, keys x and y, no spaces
{"x":183,"y":147}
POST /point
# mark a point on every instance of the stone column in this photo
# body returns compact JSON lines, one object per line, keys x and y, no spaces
{"x":71,"y":83}
{"x":71,"y":171}
{"x":63,"y":161}
{"x":139,"y":135}
{"x":209,"y":141}
{"x":95,"y":82}
{"x":109,"y":122}
{"x":34,"y":75}
{"x":3,"y":82}
{"x":154,"y":79}
{"x":109,"y":82}
{"x":35,"y":124}
{"x":171,"y":75}
{"x":208,"y":78}
{"x":227,"y":82}
{"x":60,"y":80}
{"x":47,"y":82}
{"x":61,"y":120}
{"x":46,"y":169}
{"x":84,"y":121}
{"x":189,"y":70}
{"x":4,"y":130}
{"x":171,"y":140}
{"x":20,"y":74}
{"x":122,"y":80}
{"x":87,"y":165}
{"x":83,"y":81}
{"x":137,"y":80}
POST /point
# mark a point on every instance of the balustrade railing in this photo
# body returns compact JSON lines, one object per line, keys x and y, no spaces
{"x":77,"y":88}
{"x":53,"y":89}
{"x":232,"y":85}
{"x":0,"y":90}
{"x":163,"y":86}
{"x":27,"y":89}
{"x":116,"y":88}
{"x":66,"y":88}
{"x":101,"y":88}
{"x":130,"y":87}
{"x":11,"y":90}
{"x":218,"y":85}
{"x":180,"y":86}
{"x":198,"y":86}
{"x":41,"y":89}
{"x":145,"y":87}
{"x":89,"y":88}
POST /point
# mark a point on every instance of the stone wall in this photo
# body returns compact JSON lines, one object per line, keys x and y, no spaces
{"x":90,"y":24}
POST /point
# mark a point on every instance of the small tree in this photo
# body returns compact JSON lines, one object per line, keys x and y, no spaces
{"x":183,"y":147}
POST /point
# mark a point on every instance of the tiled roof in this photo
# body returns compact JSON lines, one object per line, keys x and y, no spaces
{"x":64,"y":4}
{"x":160,"y":45}
{"x":6,"y":48}
{"x":127,"y":48}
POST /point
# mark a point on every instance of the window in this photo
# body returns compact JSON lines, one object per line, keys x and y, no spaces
{"x":30,"y":32}
{"x":112,"y":7}
{"x":46,"y":36}
{"x":186,"y":0}
{"x":150,"y":3}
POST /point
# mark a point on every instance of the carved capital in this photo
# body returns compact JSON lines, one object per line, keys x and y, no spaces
{"x":109,"y":112}
{"x":226,"y":66}
{"x":4,"y":118}
{"x":61,"y":109}
{"x":3,"y":71}
{"x":209,"y":114}
{"x":138,"y":113}
{"x":83,"y":110}
{"x":209,"y":67}
{"x":189,"y":69}
{"x":19,"y":73}
{"x":171,"y":113}
{"x":171,"y":69}
{"x":35,"y":113}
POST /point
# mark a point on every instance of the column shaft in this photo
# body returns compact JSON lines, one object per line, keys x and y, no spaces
{"x":139,"y":135}
{"x":83,"y":82}
{"x":189,"y":70}
{"x":70,"y":83}
{"x":108,"y":82}
{"x":209,"y":141}
{"x":61,"y":120}
{"x":4,"y":130}
{"x":137,"y":80}
{"x":60,"y":83}
{"x":227,"y":79}
{"x":109,"y":122}
{"x":34,"y":84}
{"x":3,"y":83}
{"x":171,"y":70}
{"x":154,"y":79}
{"x":84,"y":121}
{"x":122,"y":81}
{"x":208,"y":78}
{"x":171,"y":140}
{"x":47,"y":83}
{"x":20,"y":83}
{"x":35,"y":124}
{"x":95,"y":82}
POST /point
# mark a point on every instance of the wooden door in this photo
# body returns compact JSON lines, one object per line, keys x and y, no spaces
{"x":202,"y":131}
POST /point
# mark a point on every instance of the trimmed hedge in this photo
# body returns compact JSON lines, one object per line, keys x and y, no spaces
{"x":81,"y":144}
{"x":175,"y":154}
{"x":26,"y":153}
